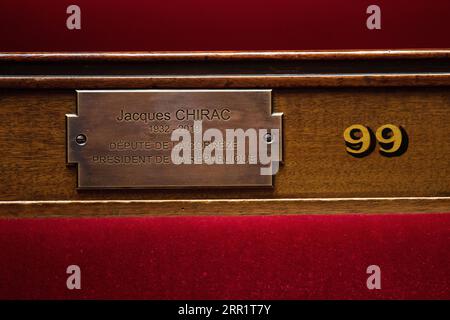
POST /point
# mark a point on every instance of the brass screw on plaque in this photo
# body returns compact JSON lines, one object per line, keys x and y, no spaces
{"x":268,"y":138}
{"x":81,"y":139}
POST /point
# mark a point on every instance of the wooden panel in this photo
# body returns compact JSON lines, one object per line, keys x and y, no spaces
{"x":316,"y":165}
{"x":317,"y":176}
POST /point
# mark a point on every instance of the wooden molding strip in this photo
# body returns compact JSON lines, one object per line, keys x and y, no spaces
{"x":228,"y":81}
{"x":92,"y":208}
{"x":225,"y":55}
{"x":234,"y":69}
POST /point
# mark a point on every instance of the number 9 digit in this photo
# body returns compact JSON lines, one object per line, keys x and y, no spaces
{"x":390,"y":138}
{"x":358,"y":146}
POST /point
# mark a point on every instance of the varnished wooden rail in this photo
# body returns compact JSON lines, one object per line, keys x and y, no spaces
{"x":23,"y":209}
{"x":227,"y":55}
{"x":219,"y":81}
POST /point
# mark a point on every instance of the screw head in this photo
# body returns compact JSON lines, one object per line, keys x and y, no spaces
{"x":81,"y":139}
{"x":268,"y":138}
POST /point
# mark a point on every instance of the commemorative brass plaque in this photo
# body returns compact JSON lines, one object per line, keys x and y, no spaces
{"x":174,"y":138}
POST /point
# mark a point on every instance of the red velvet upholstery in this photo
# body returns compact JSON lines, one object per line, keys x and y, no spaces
{"x":27,"y":25}
{"x":276,"y":257}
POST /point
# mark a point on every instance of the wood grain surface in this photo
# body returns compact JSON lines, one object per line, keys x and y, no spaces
{"x":317,"y":176}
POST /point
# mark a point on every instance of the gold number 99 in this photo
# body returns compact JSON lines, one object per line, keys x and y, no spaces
{"x":360,"y":141}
